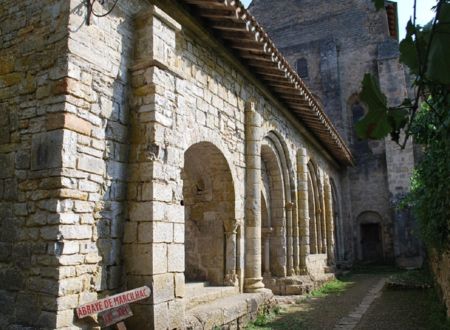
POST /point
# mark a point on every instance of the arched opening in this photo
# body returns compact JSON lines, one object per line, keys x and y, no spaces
{"x":274,"y":228}
{"x":209,"y":201}
{"x":371,"y":237}
{"x":315,"y":211}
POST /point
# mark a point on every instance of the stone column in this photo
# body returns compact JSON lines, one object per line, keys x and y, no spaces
{"x":303,"y":207}
{"x":296,"y":238}
{"x":329,"y":221}
{"x":318,"y":223}
{"x":266,"y":233}
{"x":290,"y":251}
{"x":253,"y":279}
{"x":323,"y":225}
{"x":230,"y":228}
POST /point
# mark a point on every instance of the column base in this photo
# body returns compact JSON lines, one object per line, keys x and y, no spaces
{"x":253,"y":285}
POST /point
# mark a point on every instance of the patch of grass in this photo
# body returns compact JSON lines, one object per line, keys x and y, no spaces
{"x":264,"y":317}
{"x":333,"y":287}
{"x":419,"y":278}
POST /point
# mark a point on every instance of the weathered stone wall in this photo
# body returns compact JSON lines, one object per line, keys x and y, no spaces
{"x":33,"y":61}
{"x":341,"y":41}
{"x":440,"y":265}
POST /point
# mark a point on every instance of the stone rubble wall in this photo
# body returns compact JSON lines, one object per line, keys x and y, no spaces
{"x":33,"y":62}
{"x":440,"y":265}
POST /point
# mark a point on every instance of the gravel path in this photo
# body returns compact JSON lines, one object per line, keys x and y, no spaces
{"x":363,"y":306}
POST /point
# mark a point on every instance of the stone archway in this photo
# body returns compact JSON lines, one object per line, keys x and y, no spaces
{"x":274,"y":230}
{"x":209,"y":201}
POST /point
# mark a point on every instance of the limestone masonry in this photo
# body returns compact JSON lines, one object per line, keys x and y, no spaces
{"x":170,"y":144}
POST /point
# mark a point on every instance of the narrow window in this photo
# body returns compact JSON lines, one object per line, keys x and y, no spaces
{"x":302,"y":67}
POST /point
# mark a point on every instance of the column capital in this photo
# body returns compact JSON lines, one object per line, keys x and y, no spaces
{"x":289,"y":205}
{"x":231,"y":225}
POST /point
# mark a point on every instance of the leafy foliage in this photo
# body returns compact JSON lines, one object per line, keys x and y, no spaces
{"x":426,"y":52}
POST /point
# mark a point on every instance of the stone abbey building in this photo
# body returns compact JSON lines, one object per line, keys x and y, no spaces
{"x":170,"y":144}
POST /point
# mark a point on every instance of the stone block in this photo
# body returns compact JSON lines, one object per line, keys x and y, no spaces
{"x":6,"y":165}
{"x":91,"y":164}
{"x":162,"y":288}
{"x":175,"y":255}
{"x":139,"y":259}
{"x":162,"y":232}
{"x":68,"y":121}
{"x":178,"y":233}
{"x":46,"y":150}
{"x":11,"y":279}
{"x":76,"y":231}
{"x":180,"y":286}
{"x":176,"y":314}
{"x":140,"y":211}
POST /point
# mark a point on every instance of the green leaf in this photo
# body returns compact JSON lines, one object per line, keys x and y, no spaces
{"x":439,"y":55}
{"x":408,"y":54}
{"x":375,"y":124}
{"x":379,"y":4}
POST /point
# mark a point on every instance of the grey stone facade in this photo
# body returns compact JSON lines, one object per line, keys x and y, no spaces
{"x":333,"y":44}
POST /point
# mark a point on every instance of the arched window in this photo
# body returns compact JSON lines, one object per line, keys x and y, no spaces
{"x":302,"y":67}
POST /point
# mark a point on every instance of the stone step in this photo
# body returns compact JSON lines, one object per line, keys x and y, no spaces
{"x":193,"y":286}
{"x":198,"y":295}
{"x":235,"y":311}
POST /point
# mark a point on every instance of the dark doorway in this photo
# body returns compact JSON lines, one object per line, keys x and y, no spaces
{"x":372,"y":249}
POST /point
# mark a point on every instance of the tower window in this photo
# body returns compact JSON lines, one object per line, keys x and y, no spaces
{"x":302,"y":67}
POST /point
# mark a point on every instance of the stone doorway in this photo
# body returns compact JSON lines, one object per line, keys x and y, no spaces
{"x":371,"y":242}
{"x":209,"y":201}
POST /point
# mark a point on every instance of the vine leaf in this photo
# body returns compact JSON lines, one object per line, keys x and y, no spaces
{"x":439,"y":55}
{"x":408,"y":51}
{"x":379,"y":4}
{"x":375,"y":124}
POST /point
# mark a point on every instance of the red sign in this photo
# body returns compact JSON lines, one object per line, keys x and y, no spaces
{"x":113,"y":301}
{"x":115,"y":315}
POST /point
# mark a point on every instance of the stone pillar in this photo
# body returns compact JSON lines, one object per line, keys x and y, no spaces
{"x":153,"y":247}
{"x":323,"y":224}
{"x":303,"y":207}
{"x":290,"y":251}
{"x":329,"y":221}
{"x":230,"y":228}
{"x":296,"y":238}
{"x":318,"y":223}
{"x":266,"y":233}
{"x":253,"y":279}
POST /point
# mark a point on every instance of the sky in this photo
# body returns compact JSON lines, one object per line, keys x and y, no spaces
{"x":405,"y":9}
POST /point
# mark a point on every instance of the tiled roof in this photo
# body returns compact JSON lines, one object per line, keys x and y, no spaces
{"x":239,"y":31}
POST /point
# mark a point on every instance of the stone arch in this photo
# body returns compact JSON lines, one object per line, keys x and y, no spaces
{"x":370,"y":236}
{"x":214,"y":138}
{"x":273,"y":180}
{"x":209,"y":203}
{"x":338,"y":222}
{"x":291,"y":197}
{"x":315,"y":207}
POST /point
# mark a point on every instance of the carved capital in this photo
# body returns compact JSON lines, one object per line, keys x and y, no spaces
{"x":289,"y":205}
{"x":230,"y":226}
